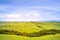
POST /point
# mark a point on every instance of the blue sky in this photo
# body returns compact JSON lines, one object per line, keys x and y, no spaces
{"x":29,"y":10}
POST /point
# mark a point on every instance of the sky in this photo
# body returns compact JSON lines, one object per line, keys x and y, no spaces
{"x":29,"y":10}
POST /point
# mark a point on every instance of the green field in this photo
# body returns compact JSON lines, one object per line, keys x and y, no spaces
{"x":29,"y":27}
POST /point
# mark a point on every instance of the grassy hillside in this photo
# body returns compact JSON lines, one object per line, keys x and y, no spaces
{"x":29,"y":27}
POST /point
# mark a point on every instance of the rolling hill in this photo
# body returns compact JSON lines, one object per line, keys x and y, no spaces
{"x":29,"y":28}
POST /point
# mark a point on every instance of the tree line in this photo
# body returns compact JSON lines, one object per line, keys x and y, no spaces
{"x":33,"y":34}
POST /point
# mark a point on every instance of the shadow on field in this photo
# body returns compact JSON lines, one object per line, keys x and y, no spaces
{"x":34,"y":34}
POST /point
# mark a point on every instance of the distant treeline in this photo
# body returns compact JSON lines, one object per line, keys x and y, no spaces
{"x":34,"y":34}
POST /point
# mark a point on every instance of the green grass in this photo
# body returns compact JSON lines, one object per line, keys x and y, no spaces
{"x":29,"y":27}
{"x":14,"y":37}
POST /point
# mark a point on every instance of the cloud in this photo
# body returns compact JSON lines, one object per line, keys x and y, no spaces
{"x":21,"y":17}
{"x":32,"y":13}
